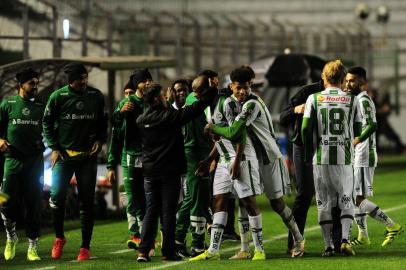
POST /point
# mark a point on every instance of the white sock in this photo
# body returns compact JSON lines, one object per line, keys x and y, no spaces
{"x":32,"y":243}
{"x":326,"y":231}
{"x":361,"y":220}
{"x":217,"y":229}
{"x":290,"y":223}
{"x":376,"y":213}
{"x":244,"y":228}
{"x":346,"y":225}
{"x":256,"y":228}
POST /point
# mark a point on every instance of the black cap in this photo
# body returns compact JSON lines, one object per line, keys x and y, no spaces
{"x":140,"y":75}
{"x":26,"y":75}
{"x":130,"y":84}
{"x":75,"y":71}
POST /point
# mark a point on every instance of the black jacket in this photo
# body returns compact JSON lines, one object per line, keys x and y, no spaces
{"x":163,"y":150}
{"x":288,"y":117}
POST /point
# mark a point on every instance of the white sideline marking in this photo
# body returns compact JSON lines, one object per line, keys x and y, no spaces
{"x":122,"y":251}
{"x":277,"y":237}
{"x":44,"y":268}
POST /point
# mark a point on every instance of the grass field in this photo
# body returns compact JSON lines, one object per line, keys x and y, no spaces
{"x":109,"y":249}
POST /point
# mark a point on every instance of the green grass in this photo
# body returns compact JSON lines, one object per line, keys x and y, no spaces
{"x":390,"y":191}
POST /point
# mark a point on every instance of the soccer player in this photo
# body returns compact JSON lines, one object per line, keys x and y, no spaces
{"x":237,"y":172}
{"x":75,"y":128}
{"x":256,"y":118}
{"x":21,"y":126}
{"x":331,"y":114}
{"x":124,"y":117}
{"x":365,"y":162}
{"x":195,"y":206}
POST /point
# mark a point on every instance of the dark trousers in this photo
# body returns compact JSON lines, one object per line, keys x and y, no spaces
{"x":85,"y":172}
{"x":23,"y":182}
{"x":305,"y":190}
{"x":161,"y":194}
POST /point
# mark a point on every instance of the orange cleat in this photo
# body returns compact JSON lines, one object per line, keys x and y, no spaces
{"x":57,"y":248}
{"x":84,"y":254}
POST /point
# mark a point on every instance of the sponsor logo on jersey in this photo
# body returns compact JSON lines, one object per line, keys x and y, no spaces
{"x":19,"y":121}
{"x":80,"y":105}
{"x":332,"y":143}
{"x":74,"y":116}
{"x":336,"y":99}
{"x":320,"y":98}
{"x":25,"y":111}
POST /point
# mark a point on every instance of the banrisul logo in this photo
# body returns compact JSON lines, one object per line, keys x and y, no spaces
{"x":25,"y":111}
{"x":80,"y":105}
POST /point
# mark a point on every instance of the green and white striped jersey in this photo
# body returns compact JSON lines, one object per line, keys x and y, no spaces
{"x":259,"y":122}
{"x":333,"y":113}
{"x":365,"y":152}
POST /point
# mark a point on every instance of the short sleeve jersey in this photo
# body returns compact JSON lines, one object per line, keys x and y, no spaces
{"x":365,"y":152}
{"x":333,"y":113}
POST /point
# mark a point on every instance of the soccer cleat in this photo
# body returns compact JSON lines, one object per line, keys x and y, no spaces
{"x":241,"y":255}
{"x":206,"y":256}
{"x":57,"y":248}
{"x":346,"y":248}
{"x":391,"y":233}
{"x":32,"y":254}
{"x":83,"y":255}
{"x":259,"y":255}
{"x":181,"y":250}
{"x":172,"y":258}
{"x":143,"y":258}
{"x":196,"y":252}
{"x":328,"y":252}
{"x":359,"y":241}
{"x":298,"y":249}
{"x":231,"y":236}
{"x":134,"y":242}
{"x":10,"y":250}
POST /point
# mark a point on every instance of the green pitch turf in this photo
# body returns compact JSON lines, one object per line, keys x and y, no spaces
{"x":110,"y":252}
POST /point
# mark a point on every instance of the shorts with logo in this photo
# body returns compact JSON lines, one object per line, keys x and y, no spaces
{"x":332,"y":183}
{"x":364,"y":178}
{"x":247,"y":185}
{"x":275,"y":178}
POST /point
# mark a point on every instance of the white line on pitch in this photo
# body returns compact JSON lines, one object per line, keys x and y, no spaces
{"x":277,"y":237}
{"x":122,"y":251}
{"x":44,"y":268}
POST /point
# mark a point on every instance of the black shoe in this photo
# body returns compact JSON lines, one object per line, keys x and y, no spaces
{"x":172,"y":258}
{"x":143,"y":258}
{"x":329,"y":252}
{"x":196,"y":252}
{"x":180,"y":250}
{"x":231,"y":236}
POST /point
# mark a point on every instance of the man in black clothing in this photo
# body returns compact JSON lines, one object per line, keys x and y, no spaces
{"x":164,"y":161}
{"x":292,"y":115}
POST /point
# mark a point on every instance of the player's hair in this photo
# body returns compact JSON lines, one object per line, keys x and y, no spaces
{"x":334,"y":72}
{"x":250,"y":70}
{"x":359,"y":71}
{"x":241,"y":75}
{"x":209,"y":73}
{"x":181,"y":81}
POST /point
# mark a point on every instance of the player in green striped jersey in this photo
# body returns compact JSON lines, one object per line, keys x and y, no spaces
{"x":365,"y":163}
{"x":256,"y":119}
{"x":21,"y":143}
{"x":330,"y":116}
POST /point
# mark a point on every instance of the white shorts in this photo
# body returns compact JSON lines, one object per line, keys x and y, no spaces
{"x":247,"y":185}
{"x":364,"y":178}
{"x":275,"y":178}
{"x":332,"y":183}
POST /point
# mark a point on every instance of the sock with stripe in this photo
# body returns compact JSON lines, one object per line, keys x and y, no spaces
{"x":32,"y":243}
{"x":244,"y":228}
{"x":256,"y":228}
{"x":290,"y":223}
{"x":217,"y":229}
{"x":376,"y":213}
{"x":10,"y":228}
{"x":361,"y":220}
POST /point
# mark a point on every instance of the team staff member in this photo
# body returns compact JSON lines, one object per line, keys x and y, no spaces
{"x":75,"y":128}
{"x":21,"y":126}
{"x":164,"y":161}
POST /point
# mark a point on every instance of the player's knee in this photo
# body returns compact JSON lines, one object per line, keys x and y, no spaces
{"x":277,"y":205}
{"x":358,"y":200}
